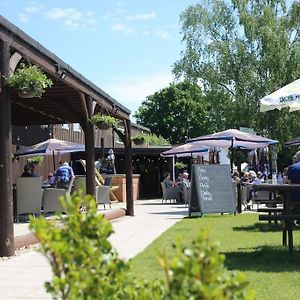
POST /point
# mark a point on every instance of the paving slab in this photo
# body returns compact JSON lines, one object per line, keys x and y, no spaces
{"x":23,"y":276}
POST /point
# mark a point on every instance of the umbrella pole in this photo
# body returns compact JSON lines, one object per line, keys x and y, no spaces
{"x":53,"y":158}
{"x":231,"y":156}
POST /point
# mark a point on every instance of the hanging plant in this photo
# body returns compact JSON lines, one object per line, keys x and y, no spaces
{"x":140,"y":138}
{"x":29,"y":81}
{"x":104,"y":121}
{"x":36,"y":160}
{"x":180,"y":165}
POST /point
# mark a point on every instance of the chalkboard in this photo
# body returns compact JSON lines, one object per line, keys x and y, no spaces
{"x":212,"y":190}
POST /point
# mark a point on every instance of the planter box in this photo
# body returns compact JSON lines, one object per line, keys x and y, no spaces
{"x":103,"y":126}
{"x":120,"y":181}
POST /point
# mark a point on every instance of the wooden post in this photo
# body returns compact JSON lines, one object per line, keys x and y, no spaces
{"x":128,"y":166}
{"x":90,"y":150}
{"x":7,"y":247}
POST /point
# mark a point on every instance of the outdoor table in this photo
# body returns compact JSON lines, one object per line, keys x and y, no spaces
{"x":285,"y":190}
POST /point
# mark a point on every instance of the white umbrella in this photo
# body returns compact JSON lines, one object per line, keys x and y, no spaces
{"x":185,"y":150}
{"x":51,"y":147}
{"x":287,"y":96}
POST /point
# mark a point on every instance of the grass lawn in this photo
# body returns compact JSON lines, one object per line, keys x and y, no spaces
{"x":250,"y":246}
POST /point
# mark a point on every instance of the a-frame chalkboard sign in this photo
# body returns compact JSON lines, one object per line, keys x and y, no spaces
{"x":212,"y":190}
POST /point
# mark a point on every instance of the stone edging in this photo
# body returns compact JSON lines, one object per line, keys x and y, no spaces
{"x":30,"y":239}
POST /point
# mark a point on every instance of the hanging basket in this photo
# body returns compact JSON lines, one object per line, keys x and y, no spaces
{"x":140,"y":141}
{"x":27,"y":94}
{"x":103,"y":126}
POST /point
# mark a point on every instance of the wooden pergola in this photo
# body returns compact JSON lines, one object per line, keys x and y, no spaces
{"x":71,"y":99}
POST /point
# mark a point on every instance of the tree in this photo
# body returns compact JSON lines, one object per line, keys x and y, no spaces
{"x":181,"y":111}
{"x":244,"y":49}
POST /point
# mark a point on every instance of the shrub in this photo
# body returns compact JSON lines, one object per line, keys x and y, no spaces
{"x":85,"y":266}
{"x":180,"y":165}
{"x":150,"y":138}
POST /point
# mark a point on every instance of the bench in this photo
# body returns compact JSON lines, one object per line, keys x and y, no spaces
{"x":271,"y":211}
{"x":287,"y":228}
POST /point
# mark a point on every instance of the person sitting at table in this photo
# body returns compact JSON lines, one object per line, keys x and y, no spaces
{"x":245,"y":178}
{"x":236,"y":177}
{"x":260,"y":176}
{"x":293,"y":175}
{"x":172,"y":184}
{"x":63,"y":176}
{"x":26,"y":172}
{"x":49,"y":181}
{"x":33,"y":170}
{"x":185,"y":179}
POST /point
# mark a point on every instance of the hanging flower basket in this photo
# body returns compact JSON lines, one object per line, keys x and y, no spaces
{"x":29,"y":81}
{"x":27,"y":95}
{"x":104,"y":122}
{"x":102,"y":125}
{"x":139,"y":141}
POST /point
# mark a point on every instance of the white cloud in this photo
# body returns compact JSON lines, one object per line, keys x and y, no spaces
{"x":123,"y":28}
{"x":72,"y":18}
{"x":131,"y":91}
{"x":33,"y":8}
{"x":144,"y":16}
{"x":161,"y":33}
{"x":24,"y":17}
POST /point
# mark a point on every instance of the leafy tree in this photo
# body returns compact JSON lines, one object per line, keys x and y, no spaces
{"x":244,"y":49}
{"x":181,"y":111}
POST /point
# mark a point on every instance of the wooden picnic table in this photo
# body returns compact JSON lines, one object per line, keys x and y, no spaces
{"x":287,"y":217}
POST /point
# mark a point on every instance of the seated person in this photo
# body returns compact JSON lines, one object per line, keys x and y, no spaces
{"x":49,"y":181}
{"x":245,"y":178}
{"x":32,"y":170}
{"x":261,"y":176}
{"x":26,"y":172}
{"x":253,"y":180}
{"x":63,"y":176}
{"x":236,"y":177}
{"x":167,"y":181}
{"x":185,"y":180}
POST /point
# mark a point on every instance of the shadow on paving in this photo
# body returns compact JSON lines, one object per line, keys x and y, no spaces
{"x":174,"y":213}
{"x":264,"y":259}
{"x":162,"y":203}
{"x":262,"y":227}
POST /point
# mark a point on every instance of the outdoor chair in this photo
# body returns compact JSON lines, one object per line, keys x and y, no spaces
{"x":186,"y":195}
{"x":170,"y":193}
{"x":29,"y":195}
{"x":51,"y":198}
{"x":102,"y":191}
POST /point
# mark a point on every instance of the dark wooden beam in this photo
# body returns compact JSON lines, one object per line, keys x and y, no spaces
{"x":84,"y":108}
{"x":68,"y":108}
{"x":128,"y":166}
{"x":6,"y":199}
{"x":90,"y":150}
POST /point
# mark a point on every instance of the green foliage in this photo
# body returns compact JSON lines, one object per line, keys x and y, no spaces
{"x":101,"y":118}
{"x":180,"y":165}
{"x":150,"y":138}
{"x":198,"y":272}
{"x":28,"y":79}
{"x":36,"y":160}
{"x":244,"y":49}
{"x":85,"y":266}
{"x":181,"y":111}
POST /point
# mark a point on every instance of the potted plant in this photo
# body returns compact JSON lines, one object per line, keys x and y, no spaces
{"x":104,"y":121}
{"x":140,"y":138}
{"x":29,"y":81}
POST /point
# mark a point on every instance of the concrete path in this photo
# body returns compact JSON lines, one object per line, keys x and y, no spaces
{"x":23,"y":276}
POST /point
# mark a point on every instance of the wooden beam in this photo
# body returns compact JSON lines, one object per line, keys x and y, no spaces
{"x":90,"y":151}
{"x":128,"y":167}
{"x":6,"y":204}
{"x":84,"y":107}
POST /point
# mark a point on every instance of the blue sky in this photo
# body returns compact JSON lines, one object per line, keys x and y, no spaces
{"x":125,"y":47}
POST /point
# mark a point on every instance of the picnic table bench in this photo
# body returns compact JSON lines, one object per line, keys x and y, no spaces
{"x":285,"y":216}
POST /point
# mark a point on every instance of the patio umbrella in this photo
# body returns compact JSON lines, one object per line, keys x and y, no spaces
{"x":51,"y":147}
{"x":287,"y":96}
{"x":233,"y":138}
{"x":185,"y":150}
{"x":295,"y":141}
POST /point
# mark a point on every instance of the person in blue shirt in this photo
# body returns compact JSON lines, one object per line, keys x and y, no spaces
{"x":293,"y":175}
{"x":63,"y":175}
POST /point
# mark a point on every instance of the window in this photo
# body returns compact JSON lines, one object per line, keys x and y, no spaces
{"x":65,"y":126}
{"x":76,"y":127}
